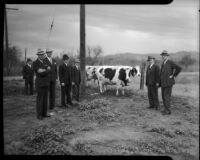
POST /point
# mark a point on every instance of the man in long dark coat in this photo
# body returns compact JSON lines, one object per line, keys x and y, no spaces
{"x":52,"y":77}
{"x":169,"y":70}
{"x":42,"y":82}
{"x":65,"y":74}
{"x":28,"y":75}
{"x":152,"y":82}
{"x":76,"y":79}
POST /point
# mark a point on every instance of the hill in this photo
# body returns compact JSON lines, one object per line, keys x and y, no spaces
{"x":137,"y":59}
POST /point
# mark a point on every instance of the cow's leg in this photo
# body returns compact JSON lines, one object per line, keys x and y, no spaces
{"x":117,"y":91}
{"x":123,"y":91}
{"x":101,"y":86}
{"x":86,"y":83}
{"x":105,"y":88}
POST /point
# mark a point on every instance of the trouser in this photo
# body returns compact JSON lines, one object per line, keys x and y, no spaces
{"x":42,"y":100}
{"x":28,"y":84}
{"x":166,"y":97}
{"x":153,"y":96}
{"x":63,"y":95}
{"x":75,"y":92}
{"x":68,"y":94}
{"x":52,"y":88}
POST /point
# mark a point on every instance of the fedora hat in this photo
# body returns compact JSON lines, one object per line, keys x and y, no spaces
{"x":49,"y":50}
{"x":65,"y":57}
{"x":28,"y":60}
{"x":40,"y":52}
{"x":164,"y":53}
{"x":150,"y":57}
{"x":77,"y":61}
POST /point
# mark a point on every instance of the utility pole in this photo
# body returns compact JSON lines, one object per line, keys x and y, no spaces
{"x":6,"y":35}
{"x":25,"y":55}
{"x":6,"y":31}
{"x":142,"y":76}
{"x":82,"y":47}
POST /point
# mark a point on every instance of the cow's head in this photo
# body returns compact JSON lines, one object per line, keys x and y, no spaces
{"x":135,"y":71}
{"x":89,"y":72}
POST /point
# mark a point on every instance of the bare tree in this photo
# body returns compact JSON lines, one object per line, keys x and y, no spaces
{"x":93,"y":54}
{"x":12,"y":59}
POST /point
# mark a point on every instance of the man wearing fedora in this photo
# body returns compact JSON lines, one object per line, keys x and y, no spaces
{"x":65,"y":77}
{"x":28,"y":75}
{"x":169,"y":70}
{"x":42,"y":82}
{"x":76,"y":79}
{"x":152,"y":82}
{"x":52,"y":77}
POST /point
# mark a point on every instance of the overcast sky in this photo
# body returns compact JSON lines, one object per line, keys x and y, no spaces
{"x":116,"y":28}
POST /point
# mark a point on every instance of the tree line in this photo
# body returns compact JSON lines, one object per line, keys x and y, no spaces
{"x":13,"y":63}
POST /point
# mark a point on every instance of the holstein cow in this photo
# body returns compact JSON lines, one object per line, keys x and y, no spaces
{"x":91,"y":73}
{"x":116,"y":75}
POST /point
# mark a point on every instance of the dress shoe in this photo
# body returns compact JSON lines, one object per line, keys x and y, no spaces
{"x":70,"y":104}
{"x":63,"y":106}
{"x":51,"y":113}
{"x":47,"y":115}
{"x":150,"y":107}
{"x":39,"y":118}
{"x":166,"y":113}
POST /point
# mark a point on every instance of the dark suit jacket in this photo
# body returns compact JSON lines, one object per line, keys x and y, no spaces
{"x":65,"y":74}
{"x":27,"y":72}
{"x":167,"y":69}
{"x":53,"y":72}
{"x":76,"y":75}
{"x":152,"y":75}
{"x":42,"y":79}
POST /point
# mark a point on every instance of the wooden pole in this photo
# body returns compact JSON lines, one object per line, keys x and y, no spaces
{"x":25,"y":55}
{"x":82,"y":47}
{"x":142,"y":76}
{"x":6,"y":31}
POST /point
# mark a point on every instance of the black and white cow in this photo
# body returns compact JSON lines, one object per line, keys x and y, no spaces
{"x":116,"y":75}
{"x":91,"y":74}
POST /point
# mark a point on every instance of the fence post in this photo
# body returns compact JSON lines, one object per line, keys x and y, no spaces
{"x":142,"y":76}
{"x":25,"y":56}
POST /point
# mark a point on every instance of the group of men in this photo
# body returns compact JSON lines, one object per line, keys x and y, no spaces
{"x":164,"y":78}
{"x":45,"y":69}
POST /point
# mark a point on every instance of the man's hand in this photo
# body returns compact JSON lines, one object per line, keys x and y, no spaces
{"x":62,"y":84}
{"x":73,"y":83}
{"x":157,"y":84}
{"x":48,"y":67}
{"x":171,"y":76}
{"x":40,"y":70}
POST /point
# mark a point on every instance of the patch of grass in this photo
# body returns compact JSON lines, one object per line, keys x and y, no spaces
{"x":162,"y":131}
{"x":44,"y":140}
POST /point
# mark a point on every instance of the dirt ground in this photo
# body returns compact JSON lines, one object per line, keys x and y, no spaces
{"x":103,"y":124}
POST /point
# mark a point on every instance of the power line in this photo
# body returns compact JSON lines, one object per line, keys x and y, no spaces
{"x":52,"y":23}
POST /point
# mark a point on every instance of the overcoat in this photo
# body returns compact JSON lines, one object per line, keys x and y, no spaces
{"x":152,"y":75}
{"x":168,"y":69}
{"x":53,"y":72}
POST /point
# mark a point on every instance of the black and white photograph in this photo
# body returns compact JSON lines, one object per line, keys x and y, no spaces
{"x":101,"y":79}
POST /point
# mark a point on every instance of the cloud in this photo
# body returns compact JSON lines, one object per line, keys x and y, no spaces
{"x":117,"y":28}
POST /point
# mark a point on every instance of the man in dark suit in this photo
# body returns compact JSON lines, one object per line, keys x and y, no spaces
{"x":28,"y":75}
{"x":76,"y":79}
{"x":152,"y":82}
{"x":169,"y":70}
{"x":52,"y":77}
{"x":65,"y":73}
{"x":42,"y":82}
